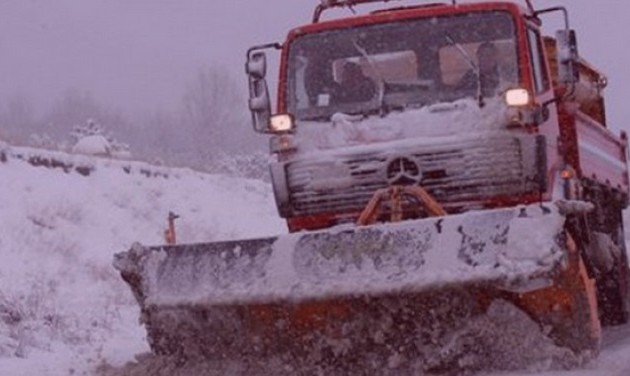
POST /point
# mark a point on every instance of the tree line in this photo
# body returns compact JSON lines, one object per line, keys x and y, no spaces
{"x":209,"y":130}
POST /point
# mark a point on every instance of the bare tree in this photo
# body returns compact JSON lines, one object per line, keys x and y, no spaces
{"x":164,"y":139}
{"x":74,"y":108}
{"x":215,"y":111}
{"x":18,"y":119}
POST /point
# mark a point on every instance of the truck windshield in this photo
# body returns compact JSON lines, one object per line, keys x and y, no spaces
{"x":397,"y":65}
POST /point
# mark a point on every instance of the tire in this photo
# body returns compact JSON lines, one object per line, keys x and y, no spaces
{"x":615,"y":299}
{"x":614,"y":287}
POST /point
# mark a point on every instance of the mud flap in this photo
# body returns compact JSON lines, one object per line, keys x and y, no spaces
{"x":569,"y":308}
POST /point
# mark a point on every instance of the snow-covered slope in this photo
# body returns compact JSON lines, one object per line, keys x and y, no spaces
{"x":63,"y":307}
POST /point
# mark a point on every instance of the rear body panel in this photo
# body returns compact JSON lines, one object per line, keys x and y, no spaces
{"x":601,"y":155}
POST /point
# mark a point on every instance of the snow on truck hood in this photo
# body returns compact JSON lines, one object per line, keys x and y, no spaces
{"x":455,"y":120}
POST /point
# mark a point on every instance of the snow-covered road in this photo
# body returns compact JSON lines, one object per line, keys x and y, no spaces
{"x":614,"y":359}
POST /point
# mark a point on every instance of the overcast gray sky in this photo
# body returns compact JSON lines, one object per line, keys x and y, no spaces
{"x":139,"y":54}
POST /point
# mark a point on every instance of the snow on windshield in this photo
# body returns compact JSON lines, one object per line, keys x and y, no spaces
{"x":446,"y":120}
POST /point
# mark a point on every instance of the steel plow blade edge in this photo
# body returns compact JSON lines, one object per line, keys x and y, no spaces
{"x":515,"y":249}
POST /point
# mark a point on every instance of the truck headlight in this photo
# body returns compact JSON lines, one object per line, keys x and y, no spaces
{"x":281,"y":123}
{"x":517,"y":97}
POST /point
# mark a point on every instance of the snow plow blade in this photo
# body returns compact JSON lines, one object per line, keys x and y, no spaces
{"x":366,"y":286}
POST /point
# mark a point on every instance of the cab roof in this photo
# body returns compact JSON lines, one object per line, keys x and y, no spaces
{"x":406,"y":13}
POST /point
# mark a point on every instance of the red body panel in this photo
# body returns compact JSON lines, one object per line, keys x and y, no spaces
{"x":573,"y":138}
{"x":595,"y":152}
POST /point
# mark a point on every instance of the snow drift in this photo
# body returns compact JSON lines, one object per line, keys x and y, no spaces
{"x":63,"y":218}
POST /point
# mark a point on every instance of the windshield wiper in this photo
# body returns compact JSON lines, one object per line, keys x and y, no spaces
{"x":471,"y":63}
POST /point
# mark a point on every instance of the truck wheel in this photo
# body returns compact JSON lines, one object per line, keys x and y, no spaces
{"x":615,"y":295}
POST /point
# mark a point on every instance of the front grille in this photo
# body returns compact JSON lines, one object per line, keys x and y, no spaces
{"x":452,"y":172}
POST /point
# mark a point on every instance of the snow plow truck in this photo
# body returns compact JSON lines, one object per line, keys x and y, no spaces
{"x":430,"y":160}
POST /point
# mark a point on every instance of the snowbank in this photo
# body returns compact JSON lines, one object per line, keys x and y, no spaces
{"x":63,"y":308}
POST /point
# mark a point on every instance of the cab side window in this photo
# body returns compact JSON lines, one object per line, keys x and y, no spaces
{"x":539,"y":69}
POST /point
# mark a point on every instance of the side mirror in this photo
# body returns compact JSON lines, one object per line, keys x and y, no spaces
{"x":567,"y":55}
{"x":256,"y":65}
{"x":259,"y":100}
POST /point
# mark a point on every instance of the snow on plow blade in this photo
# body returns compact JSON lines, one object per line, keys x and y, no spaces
{"x":222,"y":294}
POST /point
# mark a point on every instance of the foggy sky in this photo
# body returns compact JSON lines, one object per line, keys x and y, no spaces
{"x":139,"y":54}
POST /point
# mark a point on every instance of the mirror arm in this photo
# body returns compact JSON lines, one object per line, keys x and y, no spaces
{"x":544,"y":106}
{"x":555,"y":9}
{"x":546,"y":103}
{"x":253,"y":49}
